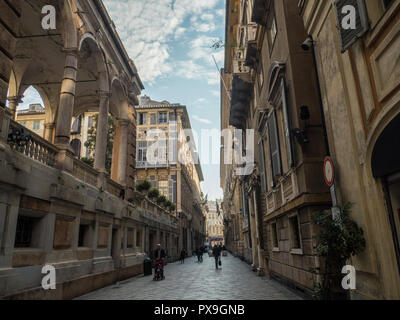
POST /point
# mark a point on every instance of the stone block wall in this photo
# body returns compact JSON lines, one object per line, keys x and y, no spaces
{"x":294,"y":267}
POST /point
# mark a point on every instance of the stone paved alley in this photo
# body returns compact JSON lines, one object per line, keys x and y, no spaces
{"x":194,"y":281}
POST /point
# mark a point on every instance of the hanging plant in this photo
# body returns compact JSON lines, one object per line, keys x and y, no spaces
{"x":339,"y":240}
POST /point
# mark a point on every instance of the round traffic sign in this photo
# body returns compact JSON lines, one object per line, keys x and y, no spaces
{"x":329,"y":171}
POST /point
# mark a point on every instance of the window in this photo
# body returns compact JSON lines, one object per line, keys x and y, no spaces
{"x":142,"y":118}
{"x":272,"y":31}
{"x":260,"y":75}
{"x":275,"y":151}
{"x":287,"y":123}
{"x":139,"y":239}
{"x":275,"y":239}
{"x":153,"y":182}
{"x":83,"y":240}
{"x":295,"y":239}
{"x":142,"y":151}
{"x":162,"y":117}
{"x":130,"y":238}
{"x":261,"y":159}
{"x":36,"y":125}
{"x":163,"y":187}
{"x":172,"y":116}
{"x":25,"y":228}
{"x":153,"y":118}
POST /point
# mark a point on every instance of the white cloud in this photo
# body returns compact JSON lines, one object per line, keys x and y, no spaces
{"x":215,"y":93}
{"x":194,"y":71}
{"x":206,"y":121}
{"x":147,"y":27}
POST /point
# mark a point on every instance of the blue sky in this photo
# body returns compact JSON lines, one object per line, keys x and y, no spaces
{"x":169,"y":41}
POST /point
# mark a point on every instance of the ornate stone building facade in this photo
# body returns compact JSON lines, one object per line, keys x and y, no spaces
{"x":215,"y":223}
{"x":55,"y":209}
{"x":360,"y":87}
{"x":310,"y":88}
{"x":271,"y":85}
{"x":175,"y":173}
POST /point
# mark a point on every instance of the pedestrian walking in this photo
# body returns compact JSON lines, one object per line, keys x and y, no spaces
{"x":217,"y":256}
{"x":183,"y":255}
{"x":198,"y":254}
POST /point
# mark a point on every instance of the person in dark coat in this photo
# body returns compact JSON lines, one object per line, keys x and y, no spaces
{"x":183,"y":255}
{"x":217,"y":255}
{"x":159,"y":253}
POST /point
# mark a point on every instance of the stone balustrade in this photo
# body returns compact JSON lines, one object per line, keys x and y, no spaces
{"x":30,"y":144}
{"x":84,"y":172}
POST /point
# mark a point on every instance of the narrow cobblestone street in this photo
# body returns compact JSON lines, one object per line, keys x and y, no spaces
{"x":195,"y":281}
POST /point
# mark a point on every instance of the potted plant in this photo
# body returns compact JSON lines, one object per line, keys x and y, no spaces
{"x":172,"y":207}
{"x":143,"y":186}
{"x":161,"y":200}
{"x":168,"y":204}
{"x":153,"y":194}
{"x":339,"y":240}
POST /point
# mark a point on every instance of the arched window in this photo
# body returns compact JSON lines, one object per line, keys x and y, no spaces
{"x":76,"y":146}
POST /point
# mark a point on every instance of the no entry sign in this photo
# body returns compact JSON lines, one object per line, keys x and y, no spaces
{"x":329,"y":172}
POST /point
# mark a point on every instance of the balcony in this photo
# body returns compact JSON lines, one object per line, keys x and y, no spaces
{"x":260,"y":10}
{"x":31,"y":145}
{"x":251,"y":45}
{"x":241,"y":69}
{"x":241,"y":95}
{"x":147,"y":165}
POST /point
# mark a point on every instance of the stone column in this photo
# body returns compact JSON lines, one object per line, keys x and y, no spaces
{"x":48,"y":131}
{"x":47,"y":236}
{"x":13,"y":106}
{"x":102,"y":129}
{"x":67,"y":99}
{"x":120,"y":156}
{"x":65,"y":109}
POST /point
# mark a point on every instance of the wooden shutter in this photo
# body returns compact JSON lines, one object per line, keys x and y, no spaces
{"x":350,"y":36}
{"x":275,"y":152}
{"x":287,"y":123}
{"x":261,"y":159}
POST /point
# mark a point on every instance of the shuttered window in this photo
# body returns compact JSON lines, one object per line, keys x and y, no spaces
{"x":287,"y":123}
{"x":349,"y":36}
{"x":261,"y":159}
{"x":275,"y":152}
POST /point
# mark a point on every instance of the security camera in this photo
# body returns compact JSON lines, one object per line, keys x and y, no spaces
{"x":307,"y":44}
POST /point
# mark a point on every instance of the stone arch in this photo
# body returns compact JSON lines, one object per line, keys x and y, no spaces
{"x":119,"y":105}
{"x":100,"y":59}
{"x":382,"y":159}
{"x":384,"y":120}
{"x":385,"y":158}
{"x":69,"y":30}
